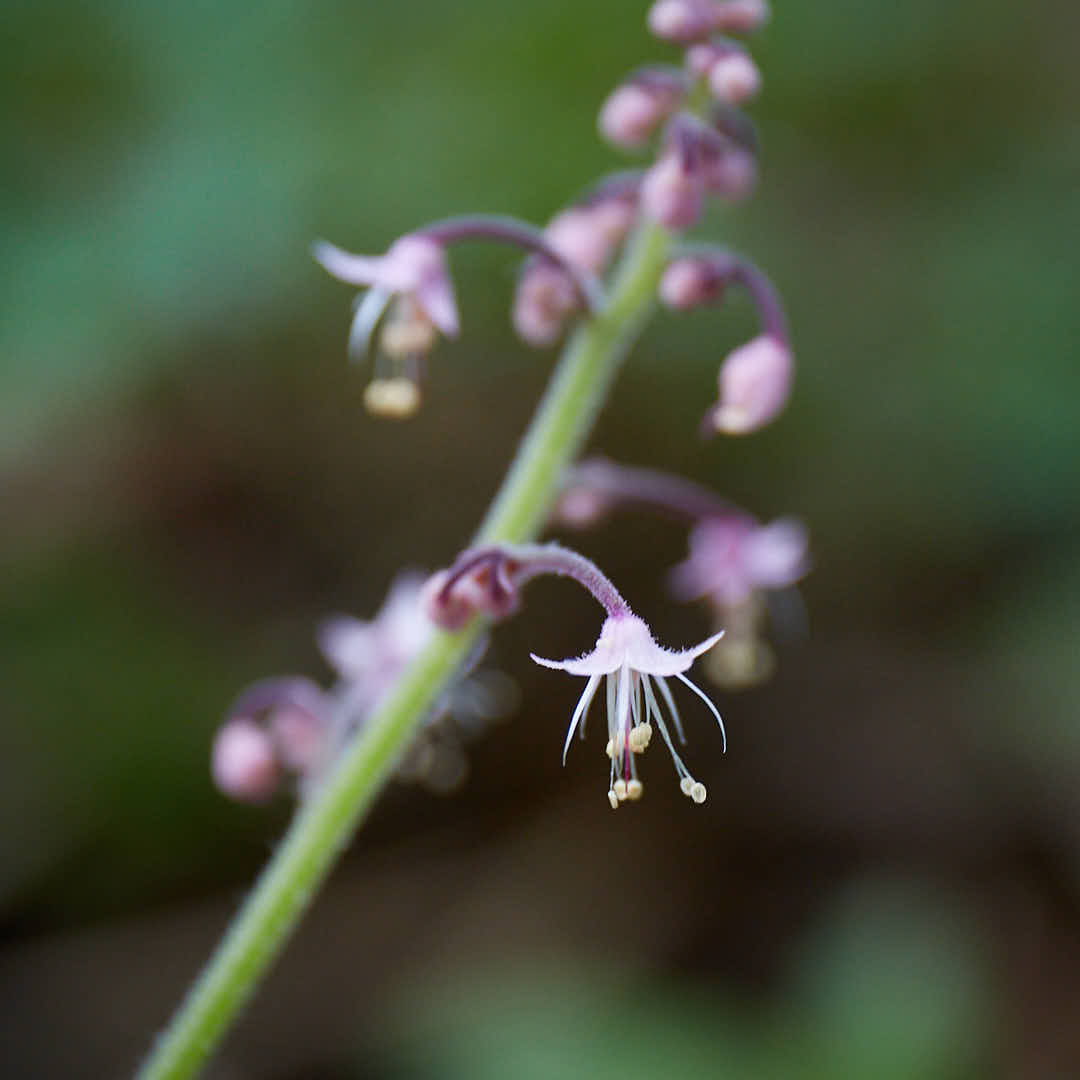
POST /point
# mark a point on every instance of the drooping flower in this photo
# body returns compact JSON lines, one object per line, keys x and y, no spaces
{"x":632,"y":662}
{"x":733,"y":556}
{"x":754,"y":383}
{"x":414,"y":266}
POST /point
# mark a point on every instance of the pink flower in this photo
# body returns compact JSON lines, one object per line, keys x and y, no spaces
{"x":632,"y":660}
{"x":733,"y":557}
{"x":414,"y":266}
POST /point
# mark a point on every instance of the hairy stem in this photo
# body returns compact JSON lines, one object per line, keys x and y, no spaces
{"x":326,"y":822}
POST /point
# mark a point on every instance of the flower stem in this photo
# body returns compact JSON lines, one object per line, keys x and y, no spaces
{"x":325,"y":823}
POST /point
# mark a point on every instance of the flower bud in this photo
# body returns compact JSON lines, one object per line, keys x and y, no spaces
{"x":681,"y":21}
{"x":754,"y":382}
{"x":688,"y":282}
{"x":244,"y":762}
{"x":731,"y":174}
{"x":734,"y":78}
{"x":740,"y":16}
{"x":545,"y":297}
{"x":671,"y":193}
{"x":634,"y":110}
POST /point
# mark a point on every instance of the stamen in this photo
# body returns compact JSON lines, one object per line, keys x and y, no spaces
{"x":613,"y":799}
{"x":639,"y":737}
{"x":669,"y":700}
{"x":619,"y":788}
{"x":634,"y":790}
{"x":697,"y":793}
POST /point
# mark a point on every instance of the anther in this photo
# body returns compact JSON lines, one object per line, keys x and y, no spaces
{"x":396,"y":397}
{"x":619,"y":788}
{"x":686,"y":785}
{"x":639,"y":737}
{"x":634,"y":790}
{"x":697,"y":793}
{"x":613,"y":799}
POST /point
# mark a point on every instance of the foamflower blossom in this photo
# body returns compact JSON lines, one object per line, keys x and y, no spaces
{"x":414,"y":266}
{"x":734,"y":556}
{"x":636,"y":670}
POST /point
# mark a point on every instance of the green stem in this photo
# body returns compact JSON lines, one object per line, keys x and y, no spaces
{"x":326,"y":822}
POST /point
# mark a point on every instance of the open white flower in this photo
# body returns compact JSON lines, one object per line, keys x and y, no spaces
{"x":628,"y":655}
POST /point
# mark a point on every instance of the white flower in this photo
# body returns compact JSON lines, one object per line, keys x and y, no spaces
{"x":632,"y":660}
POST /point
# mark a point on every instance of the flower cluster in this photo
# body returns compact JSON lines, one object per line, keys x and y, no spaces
{"x":735,"y":562}
{"x":703,"y":147}
{"x":706,"y":147}
{"x":291,"y":728}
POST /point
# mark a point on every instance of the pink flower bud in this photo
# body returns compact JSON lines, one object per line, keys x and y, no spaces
{"x":671,"y":194}
{"x":731,"y":174}
{"x":580,"y":507}
{"x":734,"y":78}
{"x":632,"y":113}
{"x":587,"y":235}
{"x":244,"y":763}
{"x":740,"y":16}
{"x":545,"y":297}
{"x":754,"y":382}
{"x":681,"y":21}
{"x":689,"y":282}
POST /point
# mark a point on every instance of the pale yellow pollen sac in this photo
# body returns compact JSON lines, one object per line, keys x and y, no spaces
{"x":686,"y":785}
{"x":697,"y":793}
{"x":613,"y":799}
{"x":635,"y":789}
{"x":619,"y":788}
{"x":408,"y":331}
{"x":639,"y":737}
{"x":616,"y":747}
{"x":396,"y":397}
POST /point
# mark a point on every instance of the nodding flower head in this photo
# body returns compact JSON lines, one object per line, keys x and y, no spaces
{"x":734,"y":556}
{"x":631,"y":661}
{"x":414,"y":266}
{"x":754,"y":382}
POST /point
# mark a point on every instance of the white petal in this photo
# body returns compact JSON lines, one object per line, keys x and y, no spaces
{"x":654,"y":659}
{"x":355,"y":269}
{"x":582,"y":708}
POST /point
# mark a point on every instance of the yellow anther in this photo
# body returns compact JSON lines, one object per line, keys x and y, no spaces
{"x":619,"y":788}
{"x":610,"y":749}
{"x":613,"y":799}
{"x":686,"y":785}
{"x":635,"y":789}
{"x":408,"y":330}
{"x":396,"y":397}
{"x":697,"y":793}
{"x":639,"y":737}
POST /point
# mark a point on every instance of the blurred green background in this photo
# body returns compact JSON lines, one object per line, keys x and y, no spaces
{"x":884,"y":882}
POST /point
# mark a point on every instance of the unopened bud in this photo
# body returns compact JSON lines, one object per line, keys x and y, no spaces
{"x":545,"y":297}
{"x":754,"y":383}
{"x":672,"y":194}
{"x":740,"y":16}
{"x":634,"y":110}
{"x":688,"y":282}
{"x":244,"y":763}
{"x":731,"y":174}
{"x":734,"y":78}
{"x":681,"y":21}
{"x":588,"y":235}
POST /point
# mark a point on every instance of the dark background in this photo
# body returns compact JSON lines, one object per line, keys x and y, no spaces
{"x":884,"y":881}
